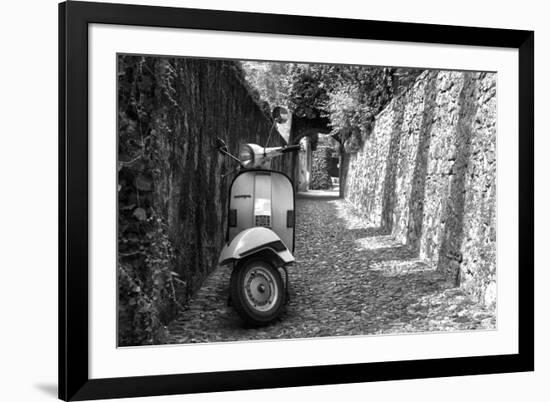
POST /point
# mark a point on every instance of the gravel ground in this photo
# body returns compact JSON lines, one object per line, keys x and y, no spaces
{"x":348,"y":279}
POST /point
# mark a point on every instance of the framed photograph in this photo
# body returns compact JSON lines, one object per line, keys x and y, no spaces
{"x":258,"y":200}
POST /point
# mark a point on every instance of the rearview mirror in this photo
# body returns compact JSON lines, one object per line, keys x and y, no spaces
{"x":280,"y":114}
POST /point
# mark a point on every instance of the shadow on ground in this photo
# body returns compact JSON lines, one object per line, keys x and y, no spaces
{"x":348,"y":279}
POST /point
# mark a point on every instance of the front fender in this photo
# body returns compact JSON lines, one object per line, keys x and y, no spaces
{"x":253,"y":241}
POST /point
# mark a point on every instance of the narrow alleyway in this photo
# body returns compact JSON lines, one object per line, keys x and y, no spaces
{"x":348,"y":280}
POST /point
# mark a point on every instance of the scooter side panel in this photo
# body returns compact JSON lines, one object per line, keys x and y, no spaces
{"x":282,"y":201}
{"x":242,"y":200}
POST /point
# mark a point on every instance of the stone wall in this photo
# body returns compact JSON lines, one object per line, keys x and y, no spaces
{"x":365,"y":181}
{"x":183,"y":105}
{"x":427,"y":175}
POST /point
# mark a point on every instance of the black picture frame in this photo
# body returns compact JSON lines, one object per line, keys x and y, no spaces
{"x":74,"y":381}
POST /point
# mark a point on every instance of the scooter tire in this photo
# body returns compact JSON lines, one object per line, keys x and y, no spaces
{"x":243,"y":296}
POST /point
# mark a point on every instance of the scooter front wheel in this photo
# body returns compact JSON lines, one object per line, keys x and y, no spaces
{"x":257,"y":291}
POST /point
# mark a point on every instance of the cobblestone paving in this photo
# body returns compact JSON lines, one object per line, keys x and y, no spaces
{"x":348,"y":280}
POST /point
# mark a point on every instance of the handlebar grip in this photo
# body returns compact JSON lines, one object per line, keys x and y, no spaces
{"x":291,"y":148}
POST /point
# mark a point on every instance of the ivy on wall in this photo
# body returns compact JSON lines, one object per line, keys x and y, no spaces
{"x":148,"y":289}
{"x":320,"y":165}
{"x":171,"y":185}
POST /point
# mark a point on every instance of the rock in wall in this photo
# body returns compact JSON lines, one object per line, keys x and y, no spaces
{"x":171,"y":110}
{"x":427,"y":175}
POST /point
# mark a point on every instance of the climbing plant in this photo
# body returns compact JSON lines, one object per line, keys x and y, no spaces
{"x":148,"y":289}
{"x":349,"y":96}
{"x":268,"y":80}
{"x":320,"y":164}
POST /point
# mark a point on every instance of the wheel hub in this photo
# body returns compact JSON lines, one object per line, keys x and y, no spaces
{"x":260,"y":288}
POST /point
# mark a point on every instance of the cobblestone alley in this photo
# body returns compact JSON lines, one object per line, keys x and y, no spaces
{"x":348,"y":280}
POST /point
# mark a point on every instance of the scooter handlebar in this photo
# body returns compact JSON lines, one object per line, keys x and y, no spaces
{"x":291,"y":148}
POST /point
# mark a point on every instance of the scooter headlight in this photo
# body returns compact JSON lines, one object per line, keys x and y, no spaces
{"x":246,"y":155}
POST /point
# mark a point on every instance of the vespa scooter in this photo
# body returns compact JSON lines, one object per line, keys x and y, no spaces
{"x":260,"y":233}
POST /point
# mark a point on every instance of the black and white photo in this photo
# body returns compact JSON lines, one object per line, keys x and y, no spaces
{"x":266,"y":200}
